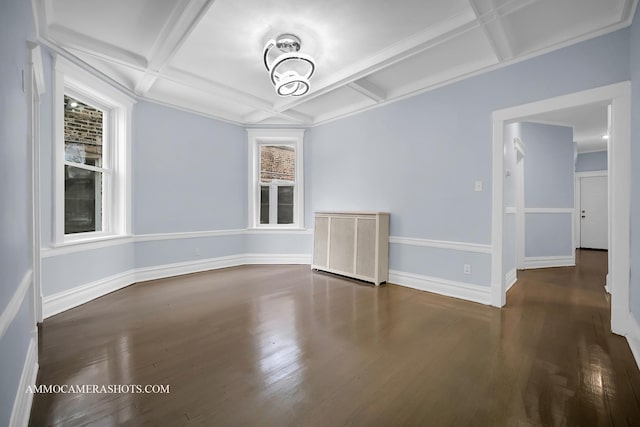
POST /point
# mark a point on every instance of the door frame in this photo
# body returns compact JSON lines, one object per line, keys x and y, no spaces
{"x":521,"y":151}
{"x":576,"y":192}
{"x":618,"y":95}
{"x":37,"y":89}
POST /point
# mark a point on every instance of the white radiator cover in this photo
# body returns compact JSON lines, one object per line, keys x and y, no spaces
{"x":354,"y":244}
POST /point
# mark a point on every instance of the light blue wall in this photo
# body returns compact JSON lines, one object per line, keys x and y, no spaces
{"x":548,"y":166}
{"x":418,"y":158}
{"x":547,"y":234}
{"x":16,"y":28}
{"x":548,"y":183}
{"x":589,"y":162}
{"x":148,"y":254}
{"x":267,"y":243}
{"x":64,"y":272}
{"x":635,"y":165}
{"x":13,"y":350}
{"x":46,"y":152}
{"x":189,"y":174}
{"x":15,"y":161}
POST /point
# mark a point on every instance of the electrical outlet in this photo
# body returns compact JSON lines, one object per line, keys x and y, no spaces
{"x":197,"y":251}
{"x":478,"y":186}
{"x":467,"y":269}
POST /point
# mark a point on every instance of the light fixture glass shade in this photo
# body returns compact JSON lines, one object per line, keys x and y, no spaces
{"x":289,"y":70}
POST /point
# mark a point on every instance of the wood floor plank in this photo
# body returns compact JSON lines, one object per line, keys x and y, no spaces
{"x":285,"y":346}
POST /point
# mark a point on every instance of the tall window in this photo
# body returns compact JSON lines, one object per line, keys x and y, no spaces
{"x":92,"y":127}
{"x":275,"y":188}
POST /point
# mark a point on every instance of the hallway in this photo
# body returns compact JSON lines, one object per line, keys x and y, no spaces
{"x":579,"y":373}
{"x":281,"y":345}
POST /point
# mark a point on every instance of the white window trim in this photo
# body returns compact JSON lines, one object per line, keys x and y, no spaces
{"x":290,"y":137}
{"x":70,"y":78}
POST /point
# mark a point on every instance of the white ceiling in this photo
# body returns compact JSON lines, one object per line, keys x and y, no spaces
{"x":206,"y":56}
{"x":589,"y":122}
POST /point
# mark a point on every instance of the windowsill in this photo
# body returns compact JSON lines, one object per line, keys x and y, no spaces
{"x":90,"y":239}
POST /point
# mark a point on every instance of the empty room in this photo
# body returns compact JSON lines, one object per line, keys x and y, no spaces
{"x":320,"y":213}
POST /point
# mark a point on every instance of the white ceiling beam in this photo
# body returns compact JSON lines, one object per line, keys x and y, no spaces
{"x":41,"y":14}
{"x":184,"y":18}
{"x":368,"y":89}
{"x":264,"y":108}
{"x":68,"y":38}
{"x":293,"y":116}
{"x":145,"y":83}
{"x":512,"y":6}
{"x":501,"y":48}
{"x":404,"y":49}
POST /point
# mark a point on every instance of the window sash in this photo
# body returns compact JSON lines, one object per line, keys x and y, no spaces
{"x":273,"y":202}
{"x":87,"y":167}
{"x":99,"y":213}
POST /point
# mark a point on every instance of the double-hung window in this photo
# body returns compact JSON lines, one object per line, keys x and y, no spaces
{"x":276,"y":187}
{"x":92,"y":132}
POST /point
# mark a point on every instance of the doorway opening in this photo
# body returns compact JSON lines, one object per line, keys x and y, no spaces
{"x":618,"y":186}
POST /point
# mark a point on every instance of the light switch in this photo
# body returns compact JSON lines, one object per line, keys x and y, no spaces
{"x":478,"y":185}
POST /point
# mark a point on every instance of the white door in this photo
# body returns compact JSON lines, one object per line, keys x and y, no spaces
{"x":593,"y":212}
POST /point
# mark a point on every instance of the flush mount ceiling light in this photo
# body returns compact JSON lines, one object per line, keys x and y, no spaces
{"x":288,"y":69}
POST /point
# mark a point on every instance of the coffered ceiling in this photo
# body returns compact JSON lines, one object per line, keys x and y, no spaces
{"x":205,"y":56}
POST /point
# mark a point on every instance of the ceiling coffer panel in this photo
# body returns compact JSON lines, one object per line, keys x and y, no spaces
{"x":126,"y":76}
{"x":331,"y":102}
{"x":449,"y":59}
{"x":544,"y":23}
{"x":191,"y":98}
{"x":130,"y":25}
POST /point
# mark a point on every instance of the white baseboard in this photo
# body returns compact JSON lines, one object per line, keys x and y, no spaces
{"x":633,"y":338}
{"x":549,"y":261}
{"x":450,"y":288}
{"x":510,"y":278}
{"x":62,"y":301}
{"x":277,"y":259}
{"x":22,"y":403}
{"x":180,"y":268}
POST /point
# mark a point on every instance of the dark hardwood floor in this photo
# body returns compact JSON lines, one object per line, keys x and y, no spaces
{"x":282,"y":346}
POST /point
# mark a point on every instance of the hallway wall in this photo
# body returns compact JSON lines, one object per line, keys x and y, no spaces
{"x":548,"y":189}
{"x":588,"y":162}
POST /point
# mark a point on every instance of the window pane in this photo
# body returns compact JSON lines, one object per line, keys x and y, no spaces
{"x":277,"y":162}
{"x":82,"y":200}
{"x":83,"y":129}
{"x":264,"y":204}
{"x":285,"y":204}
